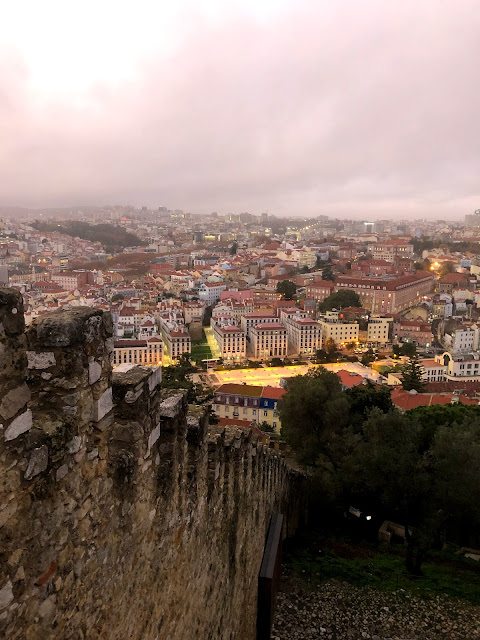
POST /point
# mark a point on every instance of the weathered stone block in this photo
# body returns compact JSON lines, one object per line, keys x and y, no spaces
{"x":155,"y":378}
{"x":61,"y":472}
{"x":153,"y":437}
{"x":21,"y":424}
{"x":74,"y":445}
{"x":13,"y":401}
{"x":94,"y":372}
{"x":7,"y":512}
{"x":38,"y":462}
{"x":42,"y":360}
{"x":103,"y":405}
{"x":6,"y":595}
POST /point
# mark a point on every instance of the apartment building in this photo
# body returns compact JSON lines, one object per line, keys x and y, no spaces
{"x":268,"y":340}
{"x":433,"y":371}
{"x":319,"y":291}
{"x":416,"y":331}
{"x":333,"y":327}
{"x":71,"y":279}
{"x":142,"y":352}
{"x":250,"y":320}
{"x":462,"y":339}
{"x":304,"y":334}
{"x":248,"y":402}
{"x":176,"y":338}
{"x":460,"y":366}
{"x":389,"y":294}
{"x":193,"y":311}
{"x":379,"y":330}
{"x":231,"y":341}
{"x":210,"y":292}
{"x":391,"y":249}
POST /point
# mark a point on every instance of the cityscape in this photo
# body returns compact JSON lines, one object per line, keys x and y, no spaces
{"x":258,"y":298}
{"x":239,"y":320}
{"x":236,"y":308}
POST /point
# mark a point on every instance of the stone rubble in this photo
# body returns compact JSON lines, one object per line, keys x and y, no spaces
{"x":340,"y":611}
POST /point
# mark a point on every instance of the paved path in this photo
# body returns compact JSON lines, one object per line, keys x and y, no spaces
{"x":212,"y":343}
{"x":272,"y":375}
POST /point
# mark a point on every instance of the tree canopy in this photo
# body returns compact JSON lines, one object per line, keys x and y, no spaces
{"x":113,"y":237}
{"x":313,"y":408}
{"x":447,"y":267}
{"x":340,"y":300}
{"x":412,"y":373}
{"x":419,"y":469}
{"x":287,"y":288}
{"x":404,"y":349}
{"x":327,"y":274}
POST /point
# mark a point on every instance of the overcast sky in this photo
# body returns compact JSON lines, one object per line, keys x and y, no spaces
{"x":364,"y":108}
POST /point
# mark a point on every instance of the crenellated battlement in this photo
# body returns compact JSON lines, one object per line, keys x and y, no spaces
{"x":117,"y":498}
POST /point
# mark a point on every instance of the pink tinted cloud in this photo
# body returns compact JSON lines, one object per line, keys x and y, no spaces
{"x":367,"y":108}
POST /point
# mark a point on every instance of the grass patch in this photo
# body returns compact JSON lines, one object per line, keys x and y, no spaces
{"x":200,"y":352}
{"x":317,"y":559}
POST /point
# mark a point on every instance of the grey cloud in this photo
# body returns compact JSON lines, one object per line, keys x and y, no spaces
{"x":364,"y":107}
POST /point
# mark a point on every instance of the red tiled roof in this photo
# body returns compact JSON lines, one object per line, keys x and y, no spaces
{"x":452,"y":278}
{"x":406,"y":400}
{"x":240,"y":389}
{"x":349,"y":378}
{"x":273,"y":393}
{"x":467,"y":388}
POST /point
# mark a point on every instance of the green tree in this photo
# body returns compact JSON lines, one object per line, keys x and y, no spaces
{"x":175,"y":377}
{"x":287,"y":288}
{"x":363,"y":398}
{"x":117,"y":296}
{"x":388,"y":475}
{"x":367,"y":357}
{"x":327,"y":274}
{"x":447,"y":267}
{"x":455,"y":455}
{"x":412,"y":373}
{"x":330,"y":347}
{"x":442,"y":415}
{"x":275,"y":362}
{"x":311,"y":411}
{"x":340,"y":300}
{"x":319,"y":264}
{"x":266,"y":428}
{"x":321,"y":356}
{"x":408,"y":349}
{"x":233,"y":249}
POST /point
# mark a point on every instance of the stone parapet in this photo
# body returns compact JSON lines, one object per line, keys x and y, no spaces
{"x":123,"y":513}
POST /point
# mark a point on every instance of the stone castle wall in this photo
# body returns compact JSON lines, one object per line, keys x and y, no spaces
{"x":123,"y":514}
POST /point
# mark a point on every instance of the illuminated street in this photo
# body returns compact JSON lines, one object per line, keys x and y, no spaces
{"x":212,"y":343}
{"x":271,"y":376}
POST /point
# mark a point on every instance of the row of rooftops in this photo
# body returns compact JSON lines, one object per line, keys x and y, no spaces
{"x":252,"y":391}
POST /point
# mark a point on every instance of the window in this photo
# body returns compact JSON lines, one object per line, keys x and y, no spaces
{"x":265,"y":413}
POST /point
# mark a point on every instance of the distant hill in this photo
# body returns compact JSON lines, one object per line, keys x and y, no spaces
{"x":112,"y":237}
